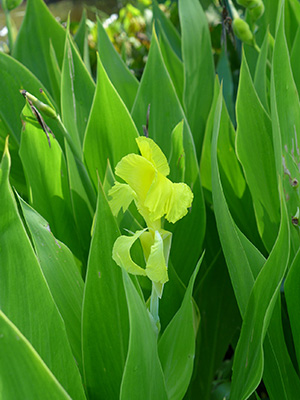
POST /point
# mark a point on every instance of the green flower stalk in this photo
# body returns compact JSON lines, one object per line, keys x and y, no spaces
{"x":156,"y":197}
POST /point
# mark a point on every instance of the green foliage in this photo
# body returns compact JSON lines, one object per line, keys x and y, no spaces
{"x":73,"y":324}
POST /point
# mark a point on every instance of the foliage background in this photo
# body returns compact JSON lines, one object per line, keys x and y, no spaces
{"x":72,"y":323}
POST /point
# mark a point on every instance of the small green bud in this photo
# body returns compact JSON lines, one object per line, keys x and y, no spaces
{"x":257,"y":11}
{"x":44,"y":108}
{"x":242,"y":31}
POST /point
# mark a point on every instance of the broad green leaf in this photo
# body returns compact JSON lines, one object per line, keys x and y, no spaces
{"x":77,"y":91}
{"x":243,"y":259}
{"x":24,"y":294}
{"x":198,"y":67}
{"x":21,"y":364}
{"x":220,"y":320}
{"x":292,"y":20}
{"x":286,"y":125}
{"x":291,"y":291}
{"x":61,"y":273}
{"x":123,"y":80}
{"x":105,"y":316}
{"x":173,"y":63}
{"x":155,"y":87}
{"x":280,"y":377}
{"x":81,"y":39}
{"x":248,"y":363}
{"x":295,"y":60}
{"x":176,"y":347}
{"x":143,"y":376}
{"x":234,"y":184}
{"x":32,"y":47}
{"x":240,"y":271}
{"x":168,"y":28}
{"x":286,"y":93}
{"x":177,"y":156}
{"x":47,"y":177}
{"x":255,"y":132}
{"x":14,"y":77}
{"x":261,"y":82}
{"x":110,"y":133}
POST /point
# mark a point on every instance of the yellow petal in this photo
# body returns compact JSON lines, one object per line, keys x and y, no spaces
{"x":181,"y":199}
{"x":137,"y":172}
{"x":153,"y":153}
{"x":121,"y":197}
{"x":121,"y":253}
{"x":158,"y":197}
{"x":156,"y":268}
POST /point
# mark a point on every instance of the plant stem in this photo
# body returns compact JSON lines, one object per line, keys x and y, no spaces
{"x":9,"y":29}
{"x":154,"y":306}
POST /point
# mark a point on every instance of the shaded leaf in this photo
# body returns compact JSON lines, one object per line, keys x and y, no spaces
{"x":123,"y":80}
{"x":105,"y":316}
{"x":143,"y":376}
{"x":109,"y":124}
{"x":176,"y":347}
{"x":19,"y":362}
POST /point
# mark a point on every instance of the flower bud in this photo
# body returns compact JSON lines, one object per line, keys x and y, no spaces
{"x":44,"y":108}
{"x":257,"y":11}
{"x":242,"y":31}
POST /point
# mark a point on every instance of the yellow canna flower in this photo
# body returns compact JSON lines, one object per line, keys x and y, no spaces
{"x":155,"y":197}
{"x":147,"y":184}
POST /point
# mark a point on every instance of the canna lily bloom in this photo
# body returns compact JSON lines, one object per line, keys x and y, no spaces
{"x":156,"y":197}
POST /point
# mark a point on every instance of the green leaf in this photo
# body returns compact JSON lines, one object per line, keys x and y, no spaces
{"x":234,"y":184}
{"x":173,"y":64}
{"x":230,"y":236}
{"x":243,"y":259}
{"x":292,"y":20}
{"x":77,"y":91}
{"x":291,"y":291}
{"x":176,"y":347}
{"x":295,"y":61}
{"x":255,"y":131}
{"x":24,"y":294}
{"x":81,"y":39}
{"x":19,"y":362}
{"x":285,"y":89}
{"x":47,"y":177}
{"x":14,"y":77}
{"x":123,"y":80}
{"x":110,"y":133}
{"x":105,"y":324}
{"x":261,"y":81}
{"x":220,"y":321}
{"x":61,"y":273}
{"x":32,"y":47}
{"x":248,"y":363}
{"x":286,"y":125}
{"x":199,"y":69}
{"x":177,"y":156}
{"x":168,"y":28}
{"x":143,"y":376}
